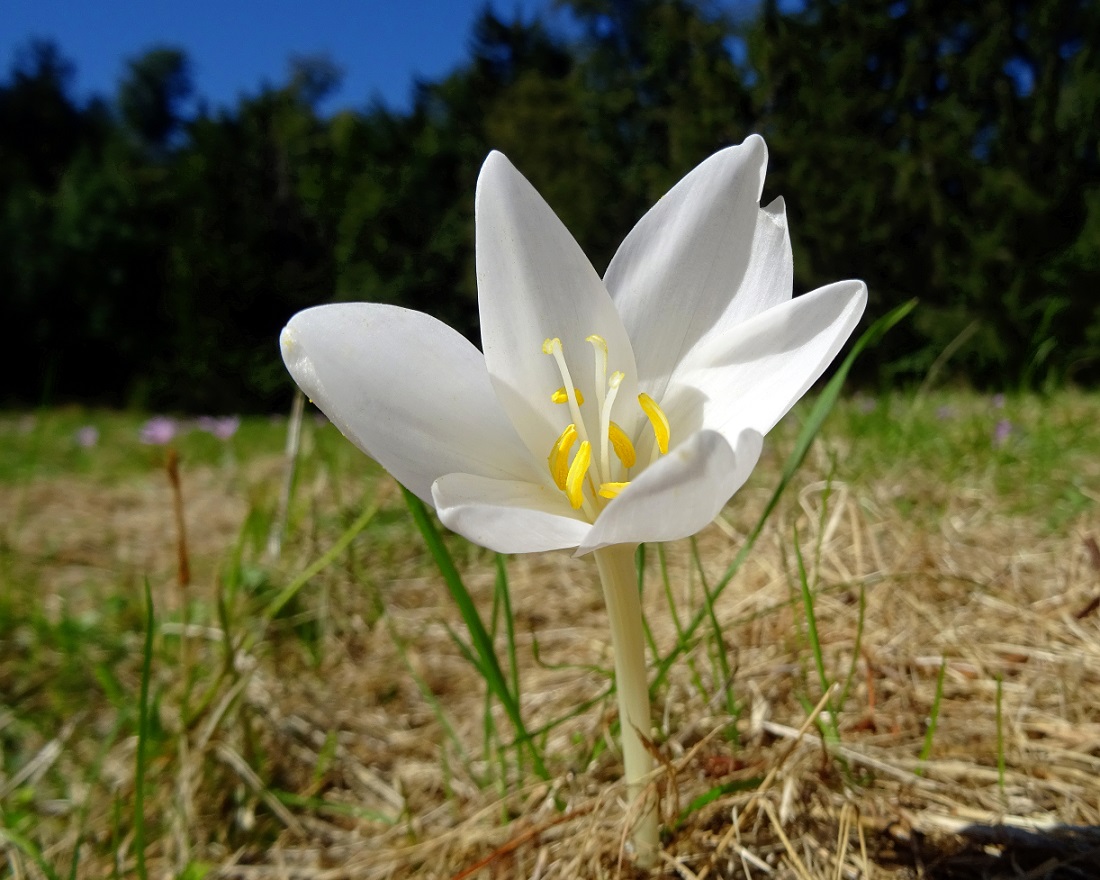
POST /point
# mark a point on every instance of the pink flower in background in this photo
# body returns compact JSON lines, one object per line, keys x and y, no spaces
{"x":87,"y":436}
{"x":998,"y":401}
{"x":1002,"y":432}
{"x":223,"y":428}
{"x":158,"y":431}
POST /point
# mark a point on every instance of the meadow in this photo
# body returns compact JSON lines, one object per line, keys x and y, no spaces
{"x":901,"y":678}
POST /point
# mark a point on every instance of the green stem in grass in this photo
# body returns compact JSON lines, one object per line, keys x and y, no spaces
{"x":933,"y":720}
{"x":482,"y":654}
{"x":1000,"y":742}
{"x":830,"y":728}
{"x":143,"y":735}
{"x":624,"y":609}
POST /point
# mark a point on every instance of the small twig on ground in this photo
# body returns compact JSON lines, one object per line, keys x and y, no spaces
{"x":293,"y":444}
{"x":183,"y":571}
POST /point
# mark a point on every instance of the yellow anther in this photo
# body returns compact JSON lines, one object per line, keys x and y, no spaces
{"x":657,"y":419}
{"x":580,"y":462}
{"x":624,"y":449}
{"x":610,"y":490}
{"x":559,"y":456}
{"x":562,"y":396}
{"x":597,"y":341}
{"x":574,"y":482}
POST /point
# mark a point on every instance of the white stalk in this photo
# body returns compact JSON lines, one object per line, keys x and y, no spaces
{"x":624,"y":608}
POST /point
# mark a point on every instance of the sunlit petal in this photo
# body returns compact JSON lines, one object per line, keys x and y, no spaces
{"x":507,"y":516}
{"x":535,"y":283}
{"x":703,"y":259}
{"x":679,"y":494}
{"x":407,"y":390}
{"x":752,"y":375}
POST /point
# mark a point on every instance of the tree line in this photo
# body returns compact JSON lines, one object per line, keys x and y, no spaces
{"x":943,"y":150}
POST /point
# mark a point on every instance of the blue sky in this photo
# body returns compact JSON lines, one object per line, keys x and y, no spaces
{"x":237,"y":45}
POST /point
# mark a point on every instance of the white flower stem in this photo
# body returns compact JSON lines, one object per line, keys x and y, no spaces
{"x":624,"y":608}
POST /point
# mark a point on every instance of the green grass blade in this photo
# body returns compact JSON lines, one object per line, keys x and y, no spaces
{"x":425,"y":691}
{"x":143,"y":735}
{"x":320,"y":805}
{"x":856,"y":648}
{"x":483,"y":645}
{"x":674,"y":615}
{"x":725,"y":677}
{"x":27,"y":847}
{"x":1000,"y":740}
{"x":933,"y":719}
{"x":821,"y":409}
{"x":666,"y":583}
{"x":94,"y":773}
{"x":811,"y":616}
{"x":813,"y":635}
{"x":467,"y":653}
{"x":291,"y":590}
{"x":505,"y":596}
{"x":503,"y":601}
{"x":640,"y":556}
{"x":711,"y":795}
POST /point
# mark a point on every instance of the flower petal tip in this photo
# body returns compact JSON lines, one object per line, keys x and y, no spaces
{"x":859,"y":295}
{"x":495,"y":164}
{"x":287,"y":342}
{"x":755,"y":142}
{"x":296,"y":358}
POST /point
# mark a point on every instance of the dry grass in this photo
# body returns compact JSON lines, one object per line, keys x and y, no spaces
{"x":317,"y":753}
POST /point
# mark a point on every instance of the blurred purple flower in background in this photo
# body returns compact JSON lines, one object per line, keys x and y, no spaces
{"x":87,"y":436}
{"x":945,"y":412}
{"x":223,"y":428}
{"x":998,"y":401}
{"x":158,"y":431}
{"x":1002,"y":432}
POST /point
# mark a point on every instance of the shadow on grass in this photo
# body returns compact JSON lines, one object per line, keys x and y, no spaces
{"x":1004,"y":852}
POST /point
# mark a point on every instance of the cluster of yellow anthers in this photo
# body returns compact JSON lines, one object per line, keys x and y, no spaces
{"x":572,"y":476}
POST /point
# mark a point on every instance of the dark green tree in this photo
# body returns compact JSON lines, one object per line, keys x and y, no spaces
{"x":932,"y":149}
{"x":152,"y":93}
{"x":943,"y":150}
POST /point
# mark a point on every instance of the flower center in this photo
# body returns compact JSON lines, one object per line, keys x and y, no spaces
{"x":583,"y":468}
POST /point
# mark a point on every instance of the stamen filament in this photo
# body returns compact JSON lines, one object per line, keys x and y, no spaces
{"x":605,"y":421}
{"x":599,"y":349}
{"x":553,"y":347}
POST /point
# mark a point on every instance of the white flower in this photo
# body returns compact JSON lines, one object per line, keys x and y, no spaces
{"x":602,"y":412}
